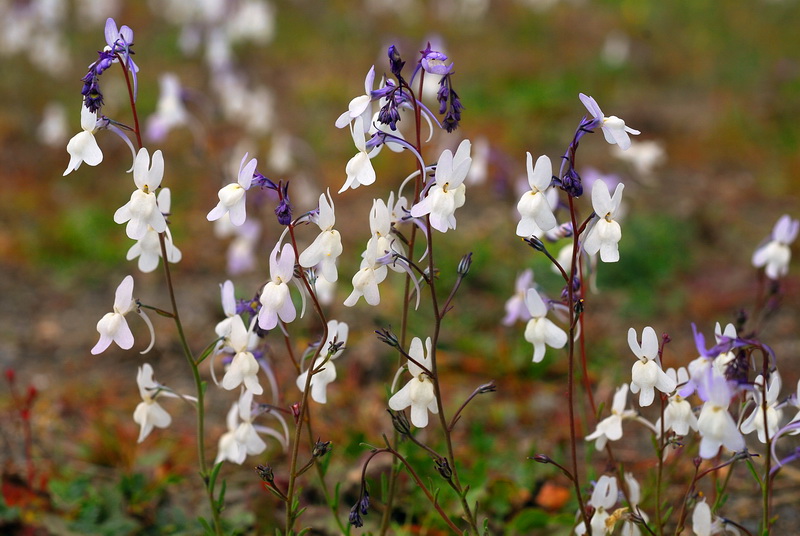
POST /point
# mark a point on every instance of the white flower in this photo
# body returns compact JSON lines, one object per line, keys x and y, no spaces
{"x":541,"y":331}
{"x":149,"y":413}
{"x":419,"y":391}
{"x":244,"y":367}
{"x":629,"y":528}
{"x":706,"y":524}
{"x":323,"y":365}
{"x":644,"y":156}
{"x":537,"y":215}
{"x":327,"y":246}
{"x":610,"y":428}
{"x":359,"y":107}
{"x":242,"y":439}
{"x":448,"y":192}
{"x":228,"y":298}
{"x":276,"y":301}
{"x":113,"y":327}
{"x":605,"y":233}
{"x":228,"y":448}
{"x":646,"y":372}
{"x":614,"y":128}
{"x":83,"y":146}
{"x":148,"y":248}
{"x":515,"y":305}
{"x":755,"y":421}
{"x":775,"y":254}
{"x":359,"y":169}
{"x":604,"y":497}
{"x":367,"y":279}
{"x":380,"y":224}
{"x":678,"y":415}
{"x":232,"y":197}
{"x":142,"y":209}
{"x":716,"y":426}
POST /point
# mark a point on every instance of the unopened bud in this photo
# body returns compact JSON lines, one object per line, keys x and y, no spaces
{"x":265,"y":473}
{"x":387,"y":337}
{"x":535,"y":243}
{"x":400,"y":422}
{"x":443,"y":467}
{"x":465,"y":264}
{"x":321,"y":448}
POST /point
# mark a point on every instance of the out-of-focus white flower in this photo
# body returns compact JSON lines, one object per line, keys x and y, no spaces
{"x":149,"y":413}
{"x":515,"y":306}
{"x":419,"y":391}
{"x":360,"y":107}
{"x":367,"y":279}
{"x":244,"y":367}
{"x":678,"y":415}
{"x":52,"y":130}
{"x":604,"y":497}
{"x":716,"y":426}
{"x":644,"y":156}
{"x":775,"y":254}
{"x":755,"y":421}
{"x":170,"y":111}
{"x":82,"y":147}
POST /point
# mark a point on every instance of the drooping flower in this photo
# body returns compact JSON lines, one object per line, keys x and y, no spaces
{"x":359,"y":108}
{"x":327,"y":246}
{"x":448,"y":192}
{"x":276,"y":301}
{"x":142,"y":209}
{"x":242,"y":438}
{"x":614,"y":128}
{"x":537,"y":215}
{"x":113,"y":327}
{"x":775,"y":254}
{"x":82,"y":147}
{"x":149,"y":413}
{"x":604,"y":233}
{"x":359,"y":169}
{"x":337,"y":334}
{"x":232,"y":197}
{"x":419,"y":391}
{"x":646,"y":373}
{"x":540,"y":330}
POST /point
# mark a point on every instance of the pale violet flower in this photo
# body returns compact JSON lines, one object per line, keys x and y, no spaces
{"x":515,"y":305}
{"x":614,"y":128}
{"x":142,"y":209}
{"x":148,"y":248}
{"x":113,"y":327}
{"x":323,"y":365}
{"x":646,"y":372}
{"x":367,"y":279}
{"x":540,"y":330}
{"x":244,"y":367}
{"x":775,"y":255}
{"x":537,"y":215}
{"x":360,"y":108}
{"x":149,"y":414}
{"x":610,"y":428}
{"x":82,"y":147}
{"x":170,"y":111}
{"x":755,"y":421}
{"x":327,"y":246}
{"x":276,"y":301}
{"x":419,"y":391}
{"x":716,"y":426}
{"x":604,"y":497}
{"x":448,"y":191}
{"x":604,"y":233}
{"x":359,"y":169}
{"x":232,"y":197}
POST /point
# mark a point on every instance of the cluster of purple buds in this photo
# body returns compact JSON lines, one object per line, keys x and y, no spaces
{"x":449,"y":104}
{"x":569,"y":180}
{"x":284,"y":209}
{"x":92,"y":96}
{"x":359,"y":509}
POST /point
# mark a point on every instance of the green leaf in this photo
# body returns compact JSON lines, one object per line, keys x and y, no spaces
{"x":212,"y":481}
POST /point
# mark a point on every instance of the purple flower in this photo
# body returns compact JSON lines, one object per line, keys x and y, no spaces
{"x":119,"y":42}
{"x":434,"y":62}
{"x":396,"y":64}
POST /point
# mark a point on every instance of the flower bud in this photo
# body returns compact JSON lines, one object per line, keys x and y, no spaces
{"x":465,"y":264}
{"x":321,"y":448}
{"x":443,"y":467}
{"x":265,"y":473}
{"x":400,"y":422}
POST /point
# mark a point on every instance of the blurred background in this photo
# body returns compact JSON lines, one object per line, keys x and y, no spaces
{"x":714,"y":89}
